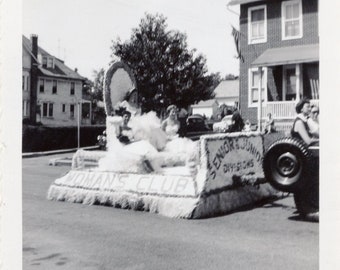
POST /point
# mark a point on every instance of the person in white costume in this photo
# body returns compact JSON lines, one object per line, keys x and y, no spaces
{"x":176,"y":145}
{"x":171,"y":124}
{"x":150,"y":149}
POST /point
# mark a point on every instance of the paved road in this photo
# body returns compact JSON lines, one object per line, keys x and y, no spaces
{"x":60,"y":235}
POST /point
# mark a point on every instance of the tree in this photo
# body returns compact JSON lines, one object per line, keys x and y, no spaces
{"x":97,"y":90}
{"x":97,"y":95}
{"x":230,"y":77}
{"x":166,"y":71}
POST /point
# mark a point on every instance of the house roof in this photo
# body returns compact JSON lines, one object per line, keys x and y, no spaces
{"x":241,"y":2}
{"x":227,"y":88}
{"x":205,"y":103}
{"x":60,"y":70}
{"x":288,"y":55}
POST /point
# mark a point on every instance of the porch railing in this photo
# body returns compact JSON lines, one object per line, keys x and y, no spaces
{"x":282,"y":110}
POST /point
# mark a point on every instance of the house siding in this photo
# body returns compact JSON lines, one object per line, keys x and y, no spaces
{"x":62,"y":96}
{"x":274,"y":39}
{"x":26,"y":68}
{"x":64,"y":77}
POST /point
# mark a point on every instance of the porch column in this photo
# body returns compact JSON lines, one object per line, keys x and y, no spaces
{"x":259,"y":108}
{"x":298,"y":81}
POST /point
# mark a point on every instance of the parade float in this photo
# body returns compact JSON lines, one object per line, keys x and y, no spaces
{"x":215,"y":175}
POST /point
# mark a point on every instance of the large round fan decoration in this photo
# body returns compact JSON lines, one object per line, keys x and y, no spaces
{"x":119,"y":85}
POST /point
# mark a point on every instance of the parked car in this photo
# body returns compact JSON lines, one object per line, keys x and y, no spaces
{"x":291,"y":166}
{"x":197,"y":123}
{"x":223,"y":125}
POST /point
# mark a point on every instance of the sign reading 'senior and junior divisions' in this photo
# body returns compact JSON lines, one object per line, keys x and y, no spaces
{"x":146,"y":183}
{"x":234,"y":155}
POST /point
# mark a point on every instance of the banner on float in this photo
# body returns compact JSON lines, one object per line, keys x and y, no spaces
{"x":232,"y":155}
{"x":146,"y":184}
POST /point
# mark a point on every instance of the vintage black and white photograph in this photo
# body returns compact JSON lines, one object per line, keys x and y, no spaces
{"x":171,"y":135}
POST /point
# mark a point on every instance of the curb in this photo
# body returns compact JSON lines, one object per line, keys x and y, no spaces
{"x":54,"y":152}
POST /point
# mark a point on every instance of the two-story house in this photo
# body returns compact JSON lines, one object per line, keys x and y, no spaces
{"x":51,"y":91}
{"x":279,"y":40}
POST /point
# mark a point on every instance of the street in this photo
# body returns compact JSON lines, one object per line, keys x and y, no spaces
{"x":61,"y":235}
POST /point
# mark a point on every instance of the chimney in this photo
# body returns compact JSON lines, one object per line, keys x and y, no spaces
{"x":76,"y":70}
{"x":34,"y":79}
{"x":34,"y":41}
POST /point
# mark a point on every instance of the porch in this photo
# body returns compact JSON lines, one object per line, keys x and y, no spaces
{"x":283,"y":112}
{"x":284,"y":75}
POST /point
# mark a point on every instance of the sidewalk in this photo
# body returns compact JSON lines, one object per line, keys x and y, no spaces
{"x":54,"y":152}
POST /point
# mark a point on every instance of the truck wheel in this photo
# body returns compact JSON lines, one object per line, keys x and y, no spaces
{"x":286,"y":164}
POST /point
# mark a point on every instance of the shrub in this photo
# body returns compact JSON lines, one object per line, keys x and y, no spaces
{"x":42,"y":138}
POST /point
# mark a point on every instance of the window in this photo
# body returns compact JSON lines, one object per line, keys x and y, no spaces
{"x":47,"y":62}
{"x":45,"y":105}
{"x":257,"y":24}
{"x":50,"y":110}
{"x":289,"y":87}
{"x":254,"y":78}
{"x":72,"y":110}
{"x":25,"y":107}
{"x":50,"y":62}
{"x":41,"y":86}
{"x":44,"y":62}
{"x":54,"y":87}
{"x":25,"y":82}
{"x":291,"y":19}
{"x":290,"y":82}
{"x":47,"y":109}
{"x":72,"y":88}
{"x":63,"y":107}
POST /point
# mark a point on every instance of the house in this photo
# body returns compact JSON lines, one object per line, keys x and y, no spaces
{"x":227,"y":92}
{"x":226,"y":97}
{"x":207,"y":108}
{"x":279,"y":40}
{"x":51,"y":91}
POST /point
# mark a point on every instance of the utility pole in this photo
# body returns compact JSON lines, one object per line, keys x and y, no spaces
{"x":78,"y":125}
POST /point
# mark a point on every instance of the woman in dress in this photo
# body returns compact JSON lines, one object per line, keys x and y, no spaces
{"x":300,"y":129}
{"x":181,"y":148}
{"x":124,"y":131}
{"x":171,"y":124}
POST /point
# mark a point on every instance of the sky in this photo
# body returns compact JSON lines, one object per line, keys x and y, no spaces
{"x":81,"y":32}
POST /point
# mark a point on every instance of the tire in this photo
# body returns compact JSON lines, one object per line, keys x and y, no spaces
{"x":286,"y":164}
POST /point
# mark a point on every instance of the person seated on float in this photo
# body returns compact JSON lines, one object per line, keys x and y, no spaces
{"x":125,"y":135}
{"x":300,"y":129}
{"x":269,"y":125}
{"x":247,"y":126}
{"x":171,"y":124}
{"x":182,"y":116}
{"x":237,"y":123}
